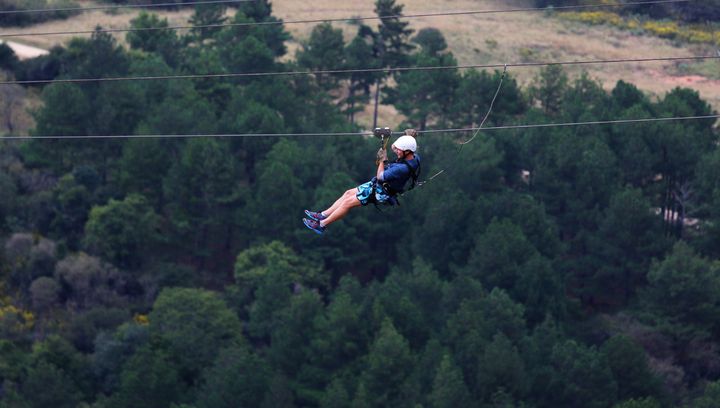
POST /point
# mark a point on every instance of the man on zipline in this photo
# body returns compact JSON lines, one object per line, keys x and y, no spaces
{"x":388,"y":182}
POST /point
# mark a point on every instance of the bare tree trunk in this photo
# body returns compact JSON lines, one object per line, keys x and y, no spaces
{"x":377,"y":99}
{"x":352,"y":109}
{"x":666,"y":205}
{"x":683,"y":196}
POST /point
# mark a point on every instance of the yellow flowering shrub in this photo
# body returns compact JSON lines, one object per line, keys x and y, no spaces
{"x":15,"y":319}
{"x":141,"y":319}
{"x":594,"y":17}
{"x":664,"y":29}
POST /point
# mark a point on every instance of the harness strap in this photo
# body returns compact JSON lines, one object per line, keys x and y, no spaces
{"x":413,"y":174}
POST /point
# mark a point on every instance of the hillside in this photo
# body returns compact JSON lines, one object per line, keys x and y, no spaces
{"x":479,"y":39}
{"x":531,"y":36}
{"x":546,"y":266}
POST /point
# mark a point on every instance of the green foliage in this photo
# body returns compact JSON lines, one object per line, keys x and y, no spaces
{"x":72,"y":205}
{"x":142,"y":167}
{"x":85,"y":327}
{"x":341,"y":335}
{"x":324,"y":51}
{"x":629,"y":366}
{"x":393,"y":34}
{"x":336,"y":396}
{"x":581,"y":377}
{"x":274,"y":207}
{"x":48,"y":385}
{"x":113,"y":350}
{"x":425,"y":96}
{"x":279,"y":395}
{"x":182,"y":111}
{"x":162,"y":42}
{"x":707,"y":186}
{"x":431,"y":41}
{"x":292,"y":335}
{"x":709,"y":398}
{"x":498,"y":255}
{"x":253,"y":265}
{"x":150,"y":379}
{"x":585,"y":99}
{"x":196,"y":325}
{"x":549,"y":87}
{"x":237,"y":378}
{"x":67,"y":370}
{"x":628,"y":238}
{"x":12,"y":361}
{"x":122,"y":231}
{"x":683,"y":288}
{"x":474,"y":325}
{"x":449,"y":388}
{"x":501,"y":368}
{"x":389,"y":363}
{"x":272,"y":35}
{"x":65,"y":114}
{"x":200,"y":188}
{"x":8,"y":199}
{"x":475,"y":92}
{"x":359,"y":54}
{"x":8,"y":59}
{"x":248,"y":54}
{"x":638,"y":403}
{"x":207,"y":14}
{"x":272,"y":296}
{"x":467,"y":295}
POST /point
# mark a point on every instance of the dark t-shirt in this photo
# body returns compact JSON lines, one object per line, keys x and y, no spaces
{"x":397,"y":174}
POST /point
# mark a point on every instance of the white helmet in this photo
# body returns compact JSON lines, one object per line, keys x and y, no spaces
{"x":406,"y":143}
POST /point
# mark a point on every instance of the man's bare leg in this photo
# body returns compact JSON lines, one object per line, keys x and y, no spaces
{"x":339,"y":202}
{"x":349,"y":201}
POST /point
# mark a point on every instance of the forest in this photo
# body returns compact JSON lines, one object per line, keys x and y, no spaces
{"x":558,"y":266}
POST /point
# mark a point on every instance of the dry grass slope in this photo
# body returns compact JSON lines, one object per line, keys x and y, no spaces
{"x":484,"y":38}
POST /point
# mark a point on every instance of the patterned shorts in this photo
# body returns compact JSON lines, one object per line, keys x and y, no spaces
{"x":366,"y":195}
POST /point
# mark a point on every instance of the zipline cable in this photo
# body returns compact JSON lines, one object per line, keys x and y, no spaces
{"x":330,"y":20}
{"x":456,"y":130}
{"x":479,"y":128}
{"x":363,"y":70}
{"x":123,"y":6}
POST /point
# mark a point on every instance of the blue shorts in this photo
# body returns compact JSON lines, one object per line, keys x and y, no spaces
{"x":366,"y":195}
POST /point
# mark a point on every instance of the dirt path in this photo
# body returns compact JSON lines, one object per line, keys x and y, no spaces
{"x":25,"y":51}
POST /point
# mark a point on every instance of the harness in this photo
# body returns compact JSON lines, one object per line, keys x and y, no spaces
{"x":414,"y":174}
{"x":394,"y":194}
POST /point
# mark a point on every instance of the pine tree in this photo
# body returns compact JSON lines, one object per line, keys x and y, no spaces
{"x":324,"y":51}
{"x":207,"y":14}
{"x":389,"y":364}
{"x":449,"y":389}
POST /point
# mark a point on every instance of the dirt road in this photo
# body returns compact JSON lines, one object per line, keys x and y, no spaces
{"x":25,"y":51}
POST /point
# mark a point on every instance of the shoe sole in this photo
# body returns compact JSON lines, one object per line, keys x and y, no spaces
{"x":305,"y":221}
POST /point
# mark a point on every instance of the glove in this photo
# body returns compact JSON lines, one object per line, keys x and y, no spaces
{"x":381,"y":155}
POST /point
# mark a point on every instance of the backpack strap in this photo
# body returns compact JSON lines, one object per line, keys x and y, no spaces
{"x":414,"y":174}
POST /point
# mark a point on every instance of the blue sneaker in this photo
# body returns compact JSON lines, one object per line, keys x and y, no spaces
{"x":316,"y":216}
{"x":314,"y":225}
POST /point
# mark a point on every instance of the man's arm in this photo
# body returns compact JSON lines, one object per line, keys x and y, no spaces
{"x":380,"y":171}
{"x":381,"y":156}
